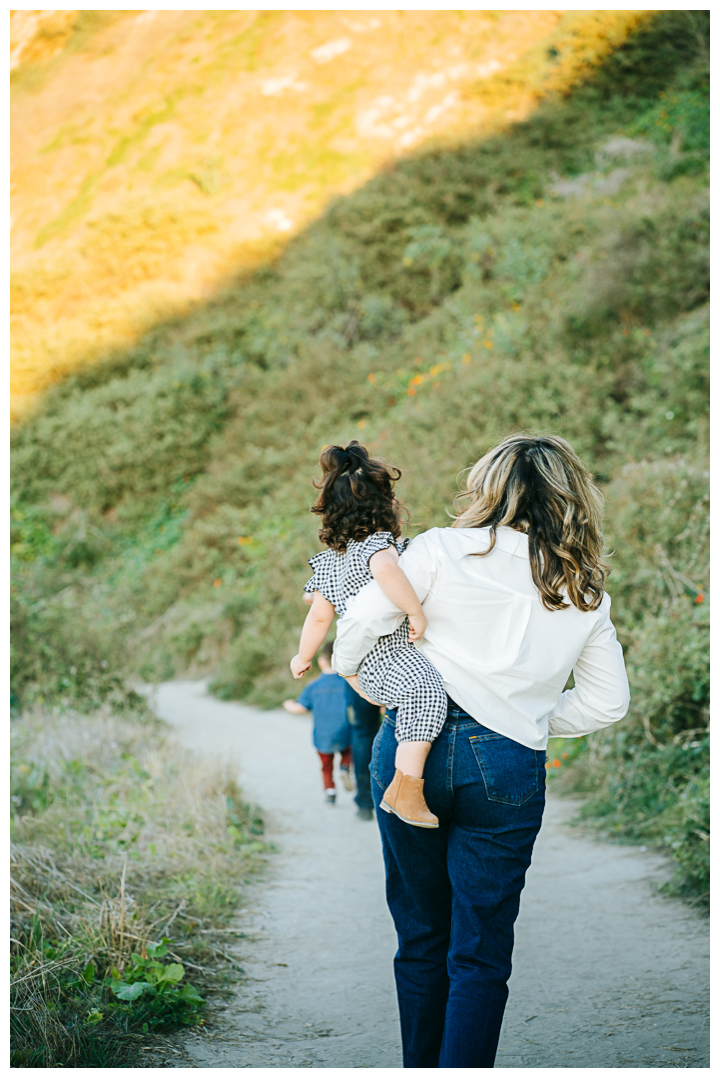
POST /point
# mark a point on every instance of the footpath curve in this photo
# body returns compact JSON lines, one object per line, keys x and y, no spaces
{"x":607,"y":974}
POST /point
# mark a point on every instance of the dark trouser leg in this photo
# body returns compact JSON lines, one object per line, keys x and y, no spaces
{"x":490,"y":843}
{"x":419,"y":897}
{"x":421,"y":910}
{"x":362,"y":732}
{"x":346,"y":758}
{"x":485,"y":908}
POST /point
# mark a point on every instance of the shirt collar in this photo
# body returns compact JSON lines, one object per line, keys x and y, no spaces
{"x":512,"y":541}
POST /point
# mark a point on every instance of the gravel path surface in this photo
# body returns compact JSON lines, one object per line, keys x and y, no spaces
{"x":607,"y":973}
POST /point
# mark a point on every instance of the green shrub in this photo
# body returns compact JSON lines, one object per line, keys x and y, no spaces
{"x":127,"y":440}
{"x":655,"y":793}
{"x":58,"y":655}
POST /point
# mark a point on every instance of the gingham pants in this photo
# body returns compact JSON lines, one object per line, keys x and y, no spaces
{"x":396,"y":674}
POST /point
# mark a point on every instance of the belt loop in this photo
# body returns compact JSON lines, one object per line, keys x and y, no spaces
{"x":454,"y":709}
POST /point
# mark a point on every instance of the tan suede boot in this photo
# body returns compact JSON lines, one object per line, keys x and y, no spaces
{"x":405,"y":798}
{"x":392,"y":792}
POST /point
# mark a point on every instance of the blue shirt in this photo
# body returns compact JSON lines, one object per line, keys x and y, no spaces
{"x":326,"y":698}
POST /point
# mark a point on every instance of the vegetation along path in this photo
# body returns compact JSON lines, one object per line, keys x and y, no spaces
{"x":607,"y":973}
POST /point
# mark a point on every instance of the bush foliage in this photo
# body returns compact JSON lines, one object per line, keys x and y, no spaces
{"x":553,"y":277}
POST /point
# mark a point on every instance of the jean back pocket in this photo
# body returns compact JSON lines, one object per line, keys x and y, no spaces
{"x":509,"y":769}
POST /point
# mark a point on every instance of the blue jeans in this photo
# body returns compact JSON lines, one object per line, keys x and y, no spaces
{"x":454,"y":892}
{"x":364,"y":724}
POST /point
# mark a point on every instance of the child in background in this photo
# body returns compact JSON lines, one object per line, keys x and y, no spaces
{"x":361,"y":527}
{"x":326,"y":698}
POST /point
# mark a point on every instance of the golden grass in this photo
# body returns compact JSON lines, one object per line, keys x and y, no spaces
{"x":160,"y":152}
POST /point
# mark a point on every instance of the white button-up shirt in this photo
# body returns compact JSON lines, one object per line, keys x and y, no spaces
{"x":504,"y":658}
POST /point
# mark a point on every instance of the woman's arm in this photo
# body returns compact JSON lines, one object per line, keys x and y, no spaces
{"x":393,"y":582}
{"x":601,"y":695}
{"x":317,"y":623}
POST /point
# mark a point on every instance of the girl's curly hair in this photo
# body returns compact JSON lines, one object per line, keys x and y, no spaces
{"x":356,"y":496}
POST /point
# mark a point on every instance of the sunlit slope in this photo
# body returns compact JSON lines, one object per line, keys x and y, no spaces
{"x":156,"y":152}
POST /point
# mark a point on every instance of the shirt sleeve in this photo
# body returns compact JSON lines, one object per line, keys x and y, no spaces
{"x":321,"y":581}
{"x":601,"y":695}
{"x":380,"y":542}
{"x":370,"y":615}
{"x":305,"y":697}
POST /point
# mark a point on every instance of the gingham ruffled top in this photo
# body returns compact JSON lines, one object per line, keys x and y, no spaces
{"x":339,"y":575}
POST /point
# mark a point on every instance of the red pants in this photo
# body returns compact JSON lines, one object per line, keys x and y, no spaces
{"x":326,"y":763}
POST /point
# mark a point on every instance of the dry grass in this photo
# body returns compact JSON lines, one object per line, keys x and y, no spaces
{"x":121,"y":838}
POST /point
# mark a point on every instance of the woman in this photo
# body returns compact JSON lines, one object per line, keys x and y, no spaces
{"x":513,"y":595}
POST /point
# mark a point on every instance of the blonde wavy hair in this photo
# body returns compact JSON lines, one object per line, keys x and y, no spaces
{"x":538,"y":485}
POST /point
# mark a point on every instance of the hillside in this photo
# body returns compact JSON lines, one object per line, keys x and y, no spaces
{"x":547,"y":272}
{"x":157,"y":152}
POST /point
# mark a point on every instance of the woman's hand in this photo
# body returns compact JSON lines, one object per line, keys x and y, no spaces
{"x":353,"y":680}
{"x":298,"y":666}
{"x":418,"y":626}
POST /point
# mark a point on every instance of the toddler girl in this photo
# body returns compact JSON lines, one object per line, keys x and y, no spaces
{"x":360,"y":525}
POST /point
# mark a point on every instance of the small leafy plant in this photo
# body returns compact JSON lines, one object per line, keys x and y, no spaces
{"x":153,"y":994}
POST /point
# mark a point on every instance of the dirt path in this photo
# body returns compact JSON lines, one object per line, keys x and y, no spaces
{"x":607,"y":973}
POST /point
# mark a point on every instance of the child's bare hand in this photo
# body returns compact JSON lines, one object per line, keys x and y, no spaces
{"x":418,"y":626}
{"x":298,"y":666}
